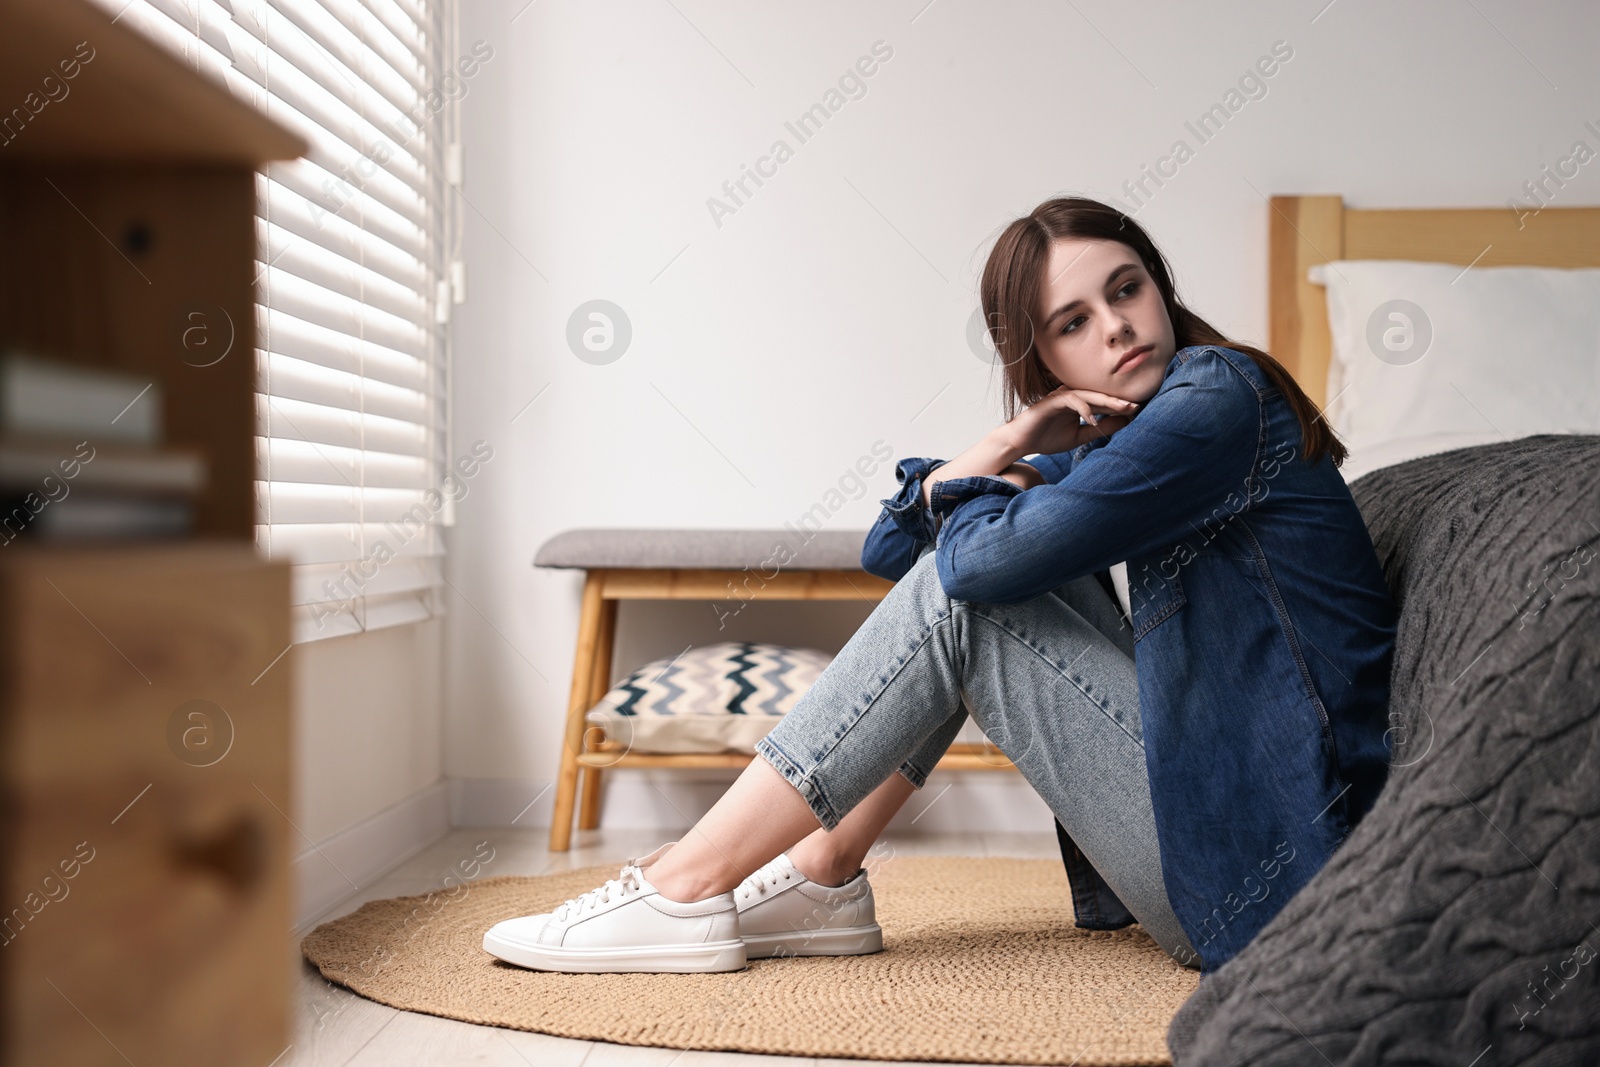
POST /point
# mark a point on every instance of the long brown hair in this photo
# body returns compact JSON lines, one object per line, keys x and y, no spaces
{"x":1010,"y":290}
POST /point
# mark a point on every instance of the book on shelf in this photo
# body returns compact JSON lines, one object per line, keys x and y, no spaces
{"x":107,"y":517}
{"x":57,"y":490}
{"x":51,"y":398}
{"x":87,"y":464}
{"x":82,"y":459}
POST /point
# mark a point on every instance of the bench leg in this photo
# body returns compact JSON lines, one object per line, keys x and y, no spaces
{"x":589,"y":627}
{"x":605,"y":643}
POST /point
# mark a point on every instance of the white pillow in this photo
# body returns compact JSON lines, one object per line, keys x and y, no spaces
{"x":715,"y":698}
{"x":1428,"y":357}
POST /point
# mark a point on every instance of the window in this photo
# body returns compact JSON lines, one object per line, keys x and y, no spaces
{"x":354,"y":289}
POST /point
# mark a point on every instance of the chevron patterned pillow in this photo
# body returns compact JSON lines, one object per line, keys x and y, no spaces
{"x":719,"y":698}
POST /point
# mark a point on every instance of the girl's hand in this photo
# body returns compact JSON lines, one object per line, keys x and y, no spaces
{"x":1052,"y":424}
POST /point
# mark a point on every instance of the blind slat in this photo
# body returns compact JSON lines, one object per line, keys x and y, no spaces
{"x":304,"y":502}
{"x":284,"y":207}
{"x":331,"y":542}
{"x":298,"y":420}
{"x":314,"y":622}
{"x":327,"y":348}
{"x":399,"y":85}
{"x":293,"y":379}
{"x":330,"y":583}
{"x":301,"y":461}
{"x":342,"y":274}
{"x":338,"y":139}
{"x":311,"y":303}
{"x":345,"y":29}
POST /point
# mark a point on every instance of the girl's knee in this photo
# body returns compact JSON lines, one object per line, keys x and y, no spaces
{"x":923,"y":577}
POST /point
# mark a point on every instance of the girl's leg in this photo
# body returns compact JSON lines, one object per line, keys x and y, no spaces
{"x":746,"y":826}
{"x":759,"y":816}
{"x":833,"y":857}
{"x":707,"y":860}
{"x":1055,"y":691}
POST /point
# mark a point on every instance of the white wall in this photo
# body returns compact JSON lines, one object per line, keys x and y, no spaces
{"x":367,"y":757}
{"x":830,"y":310}
{"x":367,"y":725}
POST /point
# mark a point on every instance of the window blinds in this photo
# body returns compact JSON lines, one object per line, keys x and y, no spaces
{"x":352,"y":242}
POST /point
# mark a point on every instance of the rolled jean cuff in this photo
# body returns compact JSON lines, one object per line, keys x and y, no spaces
{"x":911,"y":774}
{"x":922,"y":762}
{"x":808,"y":788}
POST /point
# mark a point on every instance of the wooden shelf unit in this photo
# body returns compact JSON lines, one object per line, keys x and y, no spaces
{"x":127,"y":203}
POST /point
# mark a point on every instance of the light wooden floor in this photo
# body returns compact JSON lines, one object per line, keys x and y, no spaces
{"x":335,"y":1028}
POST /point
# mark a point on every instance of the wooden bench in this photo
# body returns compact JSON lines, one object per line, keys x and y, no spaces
{"x":712,"y":565}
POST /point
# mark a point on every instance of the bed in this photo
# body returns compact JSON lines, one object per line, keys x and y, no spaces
{"x":1457,"y":924}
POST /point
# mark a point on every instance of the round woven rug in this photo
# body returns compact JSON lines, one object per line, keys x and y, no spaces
{"x":981,"y":964}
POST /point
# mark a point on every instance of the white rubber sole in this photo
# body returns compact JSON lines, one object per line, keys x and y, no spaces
{"x":848,"y":941}
{"x":671,"y":959}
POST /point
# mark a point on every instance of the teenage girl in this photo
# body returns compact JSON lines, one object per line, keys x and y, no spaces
{"x":1171,"y":619}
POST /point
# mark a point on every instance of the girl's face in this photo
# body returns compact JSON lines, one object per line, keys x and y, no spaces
{"x":1102,"y":322}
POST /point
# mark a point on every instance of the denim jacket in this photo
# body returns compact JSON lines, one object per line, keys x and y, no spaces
{"x":1263,"y":628}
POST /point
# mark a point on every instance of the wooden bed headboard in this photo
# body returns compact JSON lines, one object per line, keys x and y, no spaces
{"x":1307,"y":230}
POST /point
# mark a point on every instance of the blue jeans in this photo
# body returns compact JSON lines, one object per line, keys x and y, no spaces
{"x":1050,"y":682}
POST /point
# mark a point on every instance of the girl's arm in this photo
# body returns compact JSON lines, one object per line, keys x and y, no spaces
{"x":991,"y":455}
{"x":906,"y":526}
{"x":1189,"y":455}
{"x":1060,"y":422}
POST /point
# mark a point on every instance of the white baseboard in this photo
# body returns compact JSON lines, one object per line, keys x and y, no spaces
{"x":338,"y":866}
{"x":951,"y":802}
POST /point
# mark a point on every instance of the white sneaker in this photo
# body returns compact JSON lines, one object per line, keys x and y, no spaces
{"x":784,"y":913}
{"x":625,"y":925}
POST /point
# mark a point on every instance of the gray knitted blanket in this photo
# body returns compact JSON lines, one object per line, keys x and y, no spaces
{"x":1459,"y":924}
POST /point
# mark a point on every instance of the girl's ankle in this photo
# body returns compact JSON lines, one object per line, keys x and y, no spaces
{"x":829,"y":875}
{"x":683,"y":893}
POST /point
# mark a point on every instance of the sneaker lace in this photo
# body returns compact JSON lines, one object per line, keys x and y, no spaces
{"x":630,"y":880}
{"x":768,"y":874}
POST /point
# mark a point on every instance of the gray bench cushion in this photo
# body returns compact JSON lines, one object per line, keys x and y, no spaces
{"x":765,"y":550}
